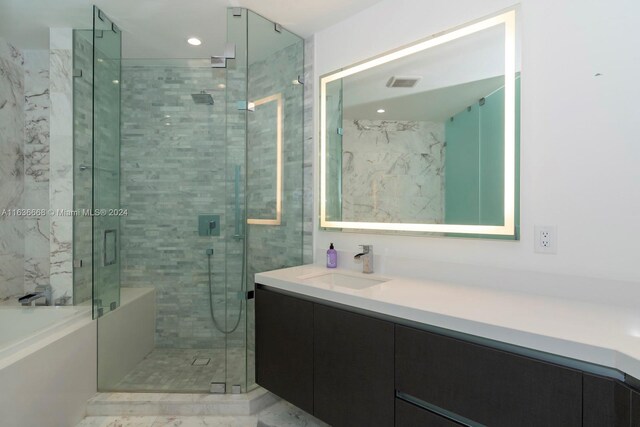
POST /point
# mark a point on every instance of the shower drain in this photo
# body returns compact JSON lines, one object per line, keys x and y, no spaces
{"x":200,"y":361}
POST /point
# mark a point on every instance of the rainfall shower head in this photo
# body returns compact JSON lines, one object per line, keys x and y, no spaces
{"x":202,"y":98}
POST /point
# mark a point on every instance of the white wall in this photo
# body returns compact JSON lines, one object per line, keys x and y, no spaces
{"x":580,"y":146}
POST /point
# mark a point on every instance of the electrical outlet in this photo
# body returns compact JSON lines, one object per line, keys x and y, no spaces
{"x":545,"y":239}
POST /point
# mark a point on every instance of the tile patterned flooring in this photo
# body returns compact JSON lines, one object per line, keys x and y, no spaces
{"x":173,"y":370}
{"x":281,"y":414}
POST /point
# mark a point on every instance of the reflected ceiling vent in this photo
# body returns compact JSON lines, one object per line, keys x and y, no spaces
{"x":397,"y":81}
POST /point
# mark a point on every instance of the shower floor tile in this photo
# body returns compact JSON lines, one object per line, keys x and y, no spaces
{"x":171,"y":369}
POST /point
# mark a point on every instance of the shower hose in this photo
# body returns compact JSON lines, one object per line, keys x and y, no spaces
{"x":213,"y":316}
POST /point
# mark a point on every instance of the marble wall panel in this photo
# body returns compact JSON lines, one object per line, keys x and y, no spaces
{"x":36,"y":167}
{"x":393,"y":171}
{"x":11,"y":170}
{"x":60,"y":164}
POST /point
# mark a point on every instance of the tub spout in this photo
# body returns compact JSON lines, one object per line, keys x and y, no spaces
{"x":41,"y":292}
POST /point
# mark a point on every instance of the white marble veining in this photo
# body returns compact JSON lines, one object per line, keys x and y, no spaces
{"x":186,"y":404}
{"x":11,"y":169}
{"x":392,"y":171}
{"x":169,"y":421}
{"x":36,"y":167}
{"x":592,"y":331}
{"x":279,"y":414}
{"x":61,"y":151}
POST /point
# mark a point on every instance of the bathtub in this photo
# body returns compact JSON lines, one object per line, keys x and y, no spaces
{"x":49,"y":356}
{"x":23,"y":326}
{"x":48,"y":365}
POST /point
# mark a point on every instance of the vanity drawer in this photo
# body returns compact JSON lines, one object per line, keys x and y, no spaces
{"x":408,"y":415}
{"x":486,"y":385}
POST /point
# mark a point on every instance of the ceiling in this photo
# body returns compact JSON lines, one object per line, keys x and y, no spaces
{"x":159,"y":28}
{"x":437,"y":105}
{"x":451,"y":76}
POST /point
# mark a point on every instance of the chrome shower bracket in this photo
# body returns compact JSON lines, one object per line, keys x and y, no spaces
{"x":220,"y":61}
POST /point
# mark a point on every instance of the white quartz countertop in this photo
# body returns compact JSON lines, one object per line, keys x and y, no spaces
{"x":607,"y":335}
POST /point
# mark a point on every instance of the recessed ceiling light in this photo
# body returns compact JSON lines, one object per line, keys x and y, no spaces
{"x":380,"y":110}
{"x":194,"y":41}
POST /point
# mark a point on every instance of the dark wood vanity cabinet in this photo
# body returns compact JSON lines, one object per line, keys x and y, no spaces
{"x":284,"y":347}
{"x":606,"y":402}
{"x":332,"y":363}
{"x":485,"y":385}
{"x":351,"y":369}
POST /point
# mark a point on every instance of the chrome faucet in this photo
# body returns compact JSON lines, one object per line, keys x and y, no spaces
{"x":41,"y":291}
{"x":367,"y":258}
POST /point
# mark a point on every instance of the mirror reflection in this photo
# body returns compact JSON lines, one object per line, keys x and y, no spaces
{"x":421,"y":139}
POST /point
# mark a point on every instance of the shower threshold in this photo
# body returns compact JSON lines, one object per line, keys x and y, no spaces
{"x":149,"y":404}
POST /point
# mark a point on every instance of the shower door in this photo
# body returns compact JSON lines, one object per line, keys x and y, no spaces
{"x":105,"y":168}
{"x":96,"y":165}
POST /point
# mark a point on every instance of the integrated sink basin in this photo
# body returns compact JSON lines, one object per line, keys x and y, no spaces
{"x":343,"y":280}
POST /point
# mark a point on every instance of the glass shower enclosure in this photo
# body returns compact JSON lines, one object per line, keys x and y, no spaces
{"x":193,"y":171}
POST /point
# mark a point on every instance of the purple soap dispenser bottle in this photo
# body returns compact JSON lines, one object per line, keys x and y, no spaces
{"x":332,"y":257}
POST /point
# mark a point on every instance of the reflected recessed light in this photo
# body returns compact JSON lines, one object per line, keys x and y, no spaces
{"x":222,"y":86}
{"x":115,"y":82}
{"x":167,"y":116}
{"x":100,"y":60}
{"x":167,"y":124}
{"x":380,"y":110}
{"x":194,"y":41}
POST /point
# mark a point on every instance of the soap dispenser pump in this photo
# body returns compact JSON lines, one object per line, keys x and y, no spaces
{"x":332,"y":257}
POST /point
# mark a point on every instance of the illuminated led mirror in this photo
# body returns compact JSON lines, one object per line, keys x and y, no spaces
{"x":425,"y":138}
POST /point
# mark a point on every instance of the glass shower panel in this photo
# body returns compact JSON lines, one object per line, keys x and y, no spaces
{"x":235,"y":286}
{"x":275,"y":66}
{"x":107,"y":41}
{"x":82,"y":160}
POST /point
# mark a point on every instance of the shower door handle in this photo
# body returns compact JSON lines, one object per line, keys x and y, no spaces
{"x":236,"y":187}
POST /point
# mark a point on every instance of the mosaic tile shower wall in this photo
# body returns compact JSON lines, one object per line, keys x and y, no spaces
{"x":173,"y":169}
{"x":309,"y":153}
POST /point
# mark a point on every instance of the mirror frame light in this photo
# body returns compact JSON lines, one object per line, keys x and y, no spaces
{"x":507,"y":19}
{"x":278,"y":219}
